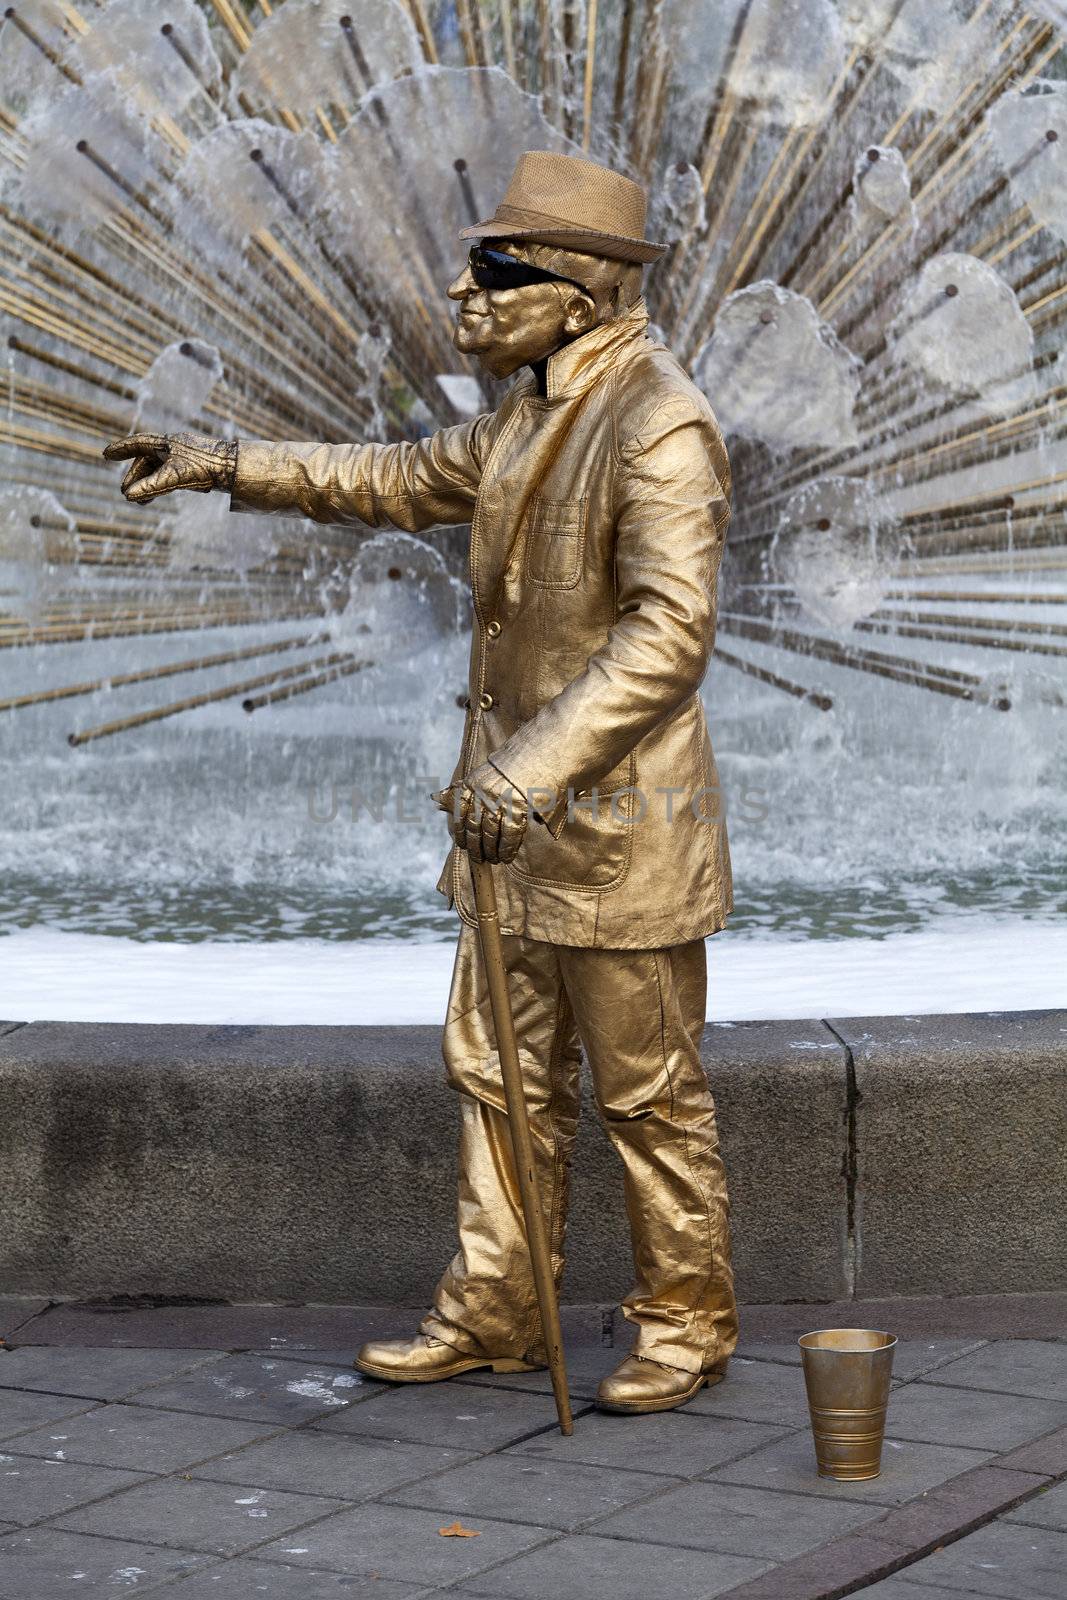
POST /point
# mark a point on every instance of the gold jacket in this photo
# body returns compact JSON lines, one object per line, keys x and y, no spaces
{"x":598,"y":515}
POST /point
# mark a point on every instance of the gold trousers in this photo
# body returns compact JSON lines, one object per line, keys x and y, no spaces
{"x":639,"y":1015}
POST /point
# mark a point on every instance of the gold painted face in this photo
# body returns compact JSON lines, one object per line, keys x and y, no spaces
{"x":505,"y":329}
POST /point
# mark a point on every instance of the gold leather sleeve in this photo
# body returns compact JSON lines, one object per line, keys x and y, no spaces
{"x":408,"y":485}
{"x":672,"y":509}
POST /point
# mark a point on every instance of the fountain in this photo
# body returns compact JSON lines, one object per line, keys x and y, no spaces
{"x":241,"y":219}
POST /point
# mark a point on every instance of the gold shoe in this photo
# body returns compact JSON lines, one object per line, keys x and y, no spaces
{"x":638,"y":1385}
{"x":426,"y":1360}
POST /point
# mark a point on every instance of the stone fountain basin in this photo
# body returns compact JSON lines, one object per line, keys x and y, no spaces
{"x":867,"y":1156}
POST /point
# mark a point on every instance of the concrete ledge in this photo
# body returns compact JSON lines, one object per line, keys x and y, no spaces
{"x":961,"y":1152}
{"x":318,"y":1164}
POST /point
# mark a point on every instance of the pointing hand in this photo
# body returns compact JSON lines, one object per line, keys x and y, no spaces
{"x":165,"y":461}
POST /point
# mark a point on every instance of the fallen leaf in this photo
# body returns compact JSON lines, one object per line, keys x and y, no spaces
{"x":456,"y":1530}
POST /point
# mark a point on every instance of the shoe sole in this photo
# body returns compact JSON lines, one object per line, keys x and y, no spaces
{"x":390,"y":1375}
{"x":638,"y":1408}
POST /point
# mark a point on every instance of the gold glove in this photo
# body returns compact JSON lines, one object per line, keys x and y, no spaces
{"x":487,"y":815}
{"x":165,"y":461}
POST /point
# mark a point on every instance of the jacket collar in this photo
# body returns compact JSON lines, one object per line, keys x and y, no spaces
{"x":578,"y":365}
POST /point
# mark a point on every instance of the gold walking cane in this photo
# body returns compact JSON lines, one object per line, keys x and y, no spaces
{"x":519,"y":1127}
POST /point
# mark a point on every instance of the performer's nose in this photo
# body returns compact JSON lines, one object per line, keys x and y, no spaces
{"x":462,"y":286}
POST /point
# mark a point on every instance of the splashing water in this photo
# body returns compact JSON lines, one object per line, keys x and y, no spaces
{"x":244,"y":224}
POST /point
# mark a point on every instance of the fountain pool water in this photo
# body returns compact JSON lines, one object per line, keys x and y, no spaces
{"x":246,"y":227}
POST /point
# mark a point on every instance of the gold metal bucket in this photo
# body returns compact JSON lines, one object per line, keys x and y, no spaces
{"x":846,"y":1374}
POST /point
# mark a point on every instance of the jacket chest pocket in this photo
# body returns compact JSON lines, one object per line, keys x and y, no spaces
{"x":555,"y":542}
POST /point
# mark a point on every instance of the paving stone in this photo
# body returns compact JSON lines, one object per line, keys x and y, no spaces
{"x":95,"y":1374}
{"x":242,"y":1579}
{"x":339,"y":1357}
{"x":667,"y":1442}
{"x":457,"y":1415}
{"x":756,"y":1391}
{"x":968,"y":1417}
{"x":1046,"y":1510}
{"x":32,"y":1488}
{"x":553,"y":1494}
{"x":223,"y":1518}
{"x":16,"y":1311}
{"x":140,"y":1438}
{"x":738,"y":1521}
{"x":1002,"y":1559}
{"x":898,"y":1588}
{"x":312,"y":1461}
{"x":915,"y":1358}
{"x":123,"y":1322}
{"x":586,"y":1365}
{"x":613,"y":1569}
{"x":44,"y":1563}
{"x":402,"y":1544}
{"x":22,"y":1410}
{"x":909,"y":1468}
{"x":258,"y":1389}
{"x":1046,"y":1455}
{"x":966,"y":1316}
{"x":1035,"y":1367}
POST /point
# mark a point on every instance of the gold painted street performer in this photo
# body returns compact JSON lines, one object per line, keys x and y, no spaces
{"x":598,"y":498}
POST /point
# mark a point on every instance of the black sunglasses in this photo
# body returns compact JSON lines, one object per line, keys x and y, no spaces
{"x":493,"y":269}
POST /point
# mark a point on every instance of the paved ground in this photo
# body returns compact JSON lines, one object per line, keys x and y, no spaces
{"x":221,"y":1453}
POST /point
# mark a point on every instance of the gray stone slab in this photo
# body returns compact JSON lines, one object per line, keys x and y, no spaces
{"x":739,"y":1521}
{"x":94,"y":1374}
{"x":909,"y":1468}
{"x":342,"y":1357}
{"x":125,"y":1320}
{"x":260,"y":1389}
{"x":16,"y":1311}
{"x":755,"y":1391}
{"x":21,"y":1411}
{"x":45,"y":1563}
{"x":551,"y":1494}
{"x":982,"y":1317}
{"x":1046,"y":1510}
{"x":614,"y":1569}
{"x":140,"y":1438}
{"x":1001,"y":1559}
{"x":668,"y":1442}
{"x":34,"y":1488}
{"x":973,"y":1418}
{"x":961,"y":1127}
{"x":1033,"y":1367}
{"x":402,"y":1544}
{"x":222,"y":1518}
{"x":311,"y":1461}
{"x":451,"y":1414}
{"x":243,"y":1579}
{"x":901,"y":1589}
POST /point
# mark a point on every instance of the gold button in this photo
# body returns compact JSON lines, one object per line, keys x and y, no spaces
{"x":493,"y":629}
{"x":485,"y":701}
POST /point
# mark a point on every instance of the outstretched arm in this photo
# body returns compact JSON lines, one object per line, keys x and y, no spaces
{"x":411,"y":485}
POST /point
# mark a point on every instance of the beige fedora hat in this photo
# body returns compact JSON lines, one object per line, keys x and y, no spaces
{"x":573,"y":203}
